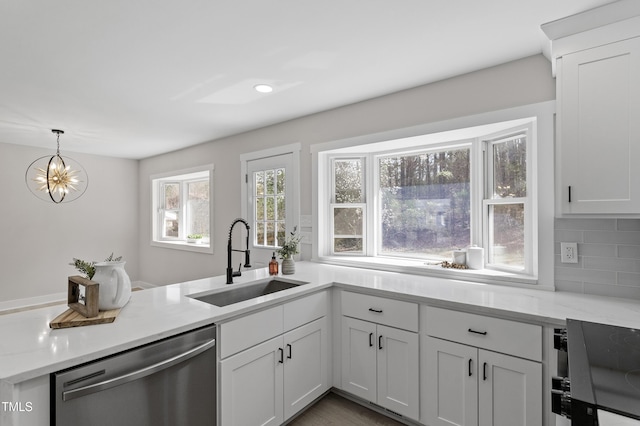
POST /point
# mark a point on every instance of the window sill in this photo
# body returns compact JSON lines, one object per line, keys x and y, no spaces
{"x":183,"y":245}
{"x":422,"y":267}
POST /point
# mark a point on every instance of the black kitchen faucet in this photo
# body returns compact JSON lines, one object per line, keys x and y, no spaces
{"x":247,"y":261}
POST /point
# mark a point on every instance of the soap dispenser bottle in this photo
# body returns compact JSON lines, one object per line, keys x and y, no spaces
{"x":273,"y":265}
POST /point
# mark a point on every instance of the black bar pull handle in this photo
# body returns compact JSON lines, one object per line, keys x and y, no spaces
{"x":370,"y":339}
{"x":289,"y":347}
{"x":377,"y":311}
{"x":484,"y":371}
{"x":380,"y":342}
{"x":281,"y":355}
{"x":482,"y":333}
{"x":569,"y":193}
{"x":470,"y":367}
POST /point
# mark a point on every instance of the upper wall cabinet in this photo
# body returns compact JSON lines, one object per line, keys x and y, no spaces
{"x":596,"y":57}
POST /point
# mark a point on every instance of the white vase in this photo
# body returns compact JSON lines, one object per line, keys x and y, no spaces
{"x":115,"y":285}
{"x":288,"y":266}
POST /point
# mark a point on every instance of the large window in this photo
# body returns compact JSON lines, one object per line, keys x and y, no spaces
{"x":424,"y":202}
{"x":421,"y":198}
{"x":182,"y":209}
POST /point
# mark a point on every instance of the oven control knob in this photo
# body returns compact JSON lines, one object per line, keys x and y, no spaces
{"x":561,"y":383}
{"x":560,"y":339}
{"x":561,"y":403}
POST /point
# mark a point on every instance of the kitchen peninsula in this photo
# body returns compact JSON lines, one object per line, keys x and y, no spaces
{"x":30,"y":350}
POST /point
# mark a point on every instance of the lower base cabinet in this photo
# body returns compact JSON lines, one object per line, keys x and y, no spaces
{"x":268,"y":383}
{"x":380,"y":364}
{"x":467,"y":386}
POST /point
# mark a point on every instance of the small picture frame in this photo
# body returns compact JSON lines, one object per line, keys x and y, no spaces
{"x":82,"y":296}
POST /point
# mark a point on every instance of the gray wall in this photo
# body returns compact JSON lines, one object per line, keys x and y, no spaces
{"x":39,"y":239}
{"x":523,"y":82}
{"x":608,"y":257}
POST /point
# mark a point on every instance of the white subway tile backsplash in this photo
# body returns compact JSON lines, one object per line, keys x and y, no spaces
{"x":586,"y":224}
{"x":571,"y":286}
{"x":568,"y":236}
{"x":629,"y":279}
{"x":600,"y":250}
{"x":612,"y":237}
{"x":611,"y":264}
{"x":613,"y":291}
{"x":629,"y":251}
{"x":586,"y":275}
{"x":628,"y":225}
{"x":608,"y":254}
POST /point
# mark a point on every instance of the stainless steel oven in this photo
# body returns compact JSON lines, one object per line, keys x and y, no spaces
{"x":170,"y":382}
{"x":602,"y":386}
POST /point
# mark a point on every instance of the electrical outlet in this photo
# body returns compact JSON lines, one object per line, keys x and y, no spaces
{"x":569,"y":252}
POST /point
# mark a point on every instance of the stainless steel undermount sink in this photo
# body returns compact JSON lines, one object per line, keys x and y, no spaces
{"x":246,"y":291}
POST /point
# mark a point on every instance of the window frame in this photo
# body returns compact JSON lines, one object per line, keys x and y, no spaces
{"x":333,"y":205}
{"x":292,"y":221}
{"x":183,"y":178}
{"x":540,"y":185}
{"x":488,"y":141}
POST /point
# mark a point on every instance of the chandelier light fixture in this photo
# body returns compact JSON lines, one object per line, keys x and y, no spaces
{"x":56,"y":178}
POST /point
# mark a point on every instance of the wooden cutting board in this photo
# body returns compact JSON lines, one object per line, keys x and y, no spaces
{"x":71,"y":318}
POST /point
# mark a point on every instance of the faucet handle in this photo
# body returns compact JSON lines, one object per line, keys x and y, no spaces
{"x":237,"y":273}
{"x":247,"y":257}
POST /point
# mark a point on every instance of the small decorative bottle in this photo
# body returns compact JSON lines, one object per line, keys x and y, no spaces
{"x":273,"y":265}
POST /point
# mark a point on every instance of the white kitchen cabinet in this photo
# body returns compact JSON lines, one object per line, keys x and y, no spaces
{"x":479,"y":371}
{"x":267,"y":382}
{"x":509,"y":390}
{"x":598,"y":129}
{"x":306,"y":366}
{"x":359,"y":358}
{"x":251,"y":386}
{"x":380,"y":364}
{"x":467,"y":386}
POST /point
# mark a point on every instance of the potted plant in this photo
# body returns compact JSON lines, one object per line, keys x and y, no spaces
{"x":287,"y":251}
{"x":194,"y":238}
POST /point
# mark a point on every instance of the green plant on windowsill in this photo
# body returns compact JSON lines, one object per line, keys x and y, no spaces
{"x":195,"y":238}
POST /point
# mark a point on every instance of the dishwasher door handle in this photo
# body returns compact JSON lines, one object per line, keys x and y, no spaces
{"x":138,"y":374}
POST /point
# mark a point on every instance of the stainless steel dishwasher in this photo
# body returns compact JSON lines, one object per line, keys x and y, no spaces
{"x":170,"y":382}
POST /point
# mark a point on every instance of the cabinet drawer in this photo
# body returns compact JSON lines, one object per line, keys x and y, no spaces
{"x":242,"y":333}
{"x":305,"y":310}
{"x":394,"y":313}
{"x":499,"y":335}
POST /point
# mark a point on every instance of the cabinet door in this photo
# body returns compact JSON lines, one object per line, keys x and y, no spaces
{"x":359,"y":358}
{"x":599,"y":94}
{"x":398,"y":368}
{"x":251,"y":386}
{"x":305,"y":365}
{"x":449,"y":383}
{"x":510,"y":390}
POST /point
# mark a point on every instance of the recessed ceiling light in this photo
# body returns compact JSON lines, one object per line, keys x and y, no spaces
{"x":263,"y":88}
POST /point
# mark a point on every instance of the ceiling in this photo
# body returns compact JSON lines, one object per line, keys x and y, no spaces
{"x":134,"y":79}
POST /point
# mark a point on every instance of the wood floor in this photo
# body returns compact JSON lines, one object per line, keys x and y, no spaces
{"x":334,"y":410}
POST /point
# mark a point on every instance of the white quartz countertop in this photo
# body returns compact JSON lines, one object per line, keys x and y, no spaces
{"x":29,"y":348}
